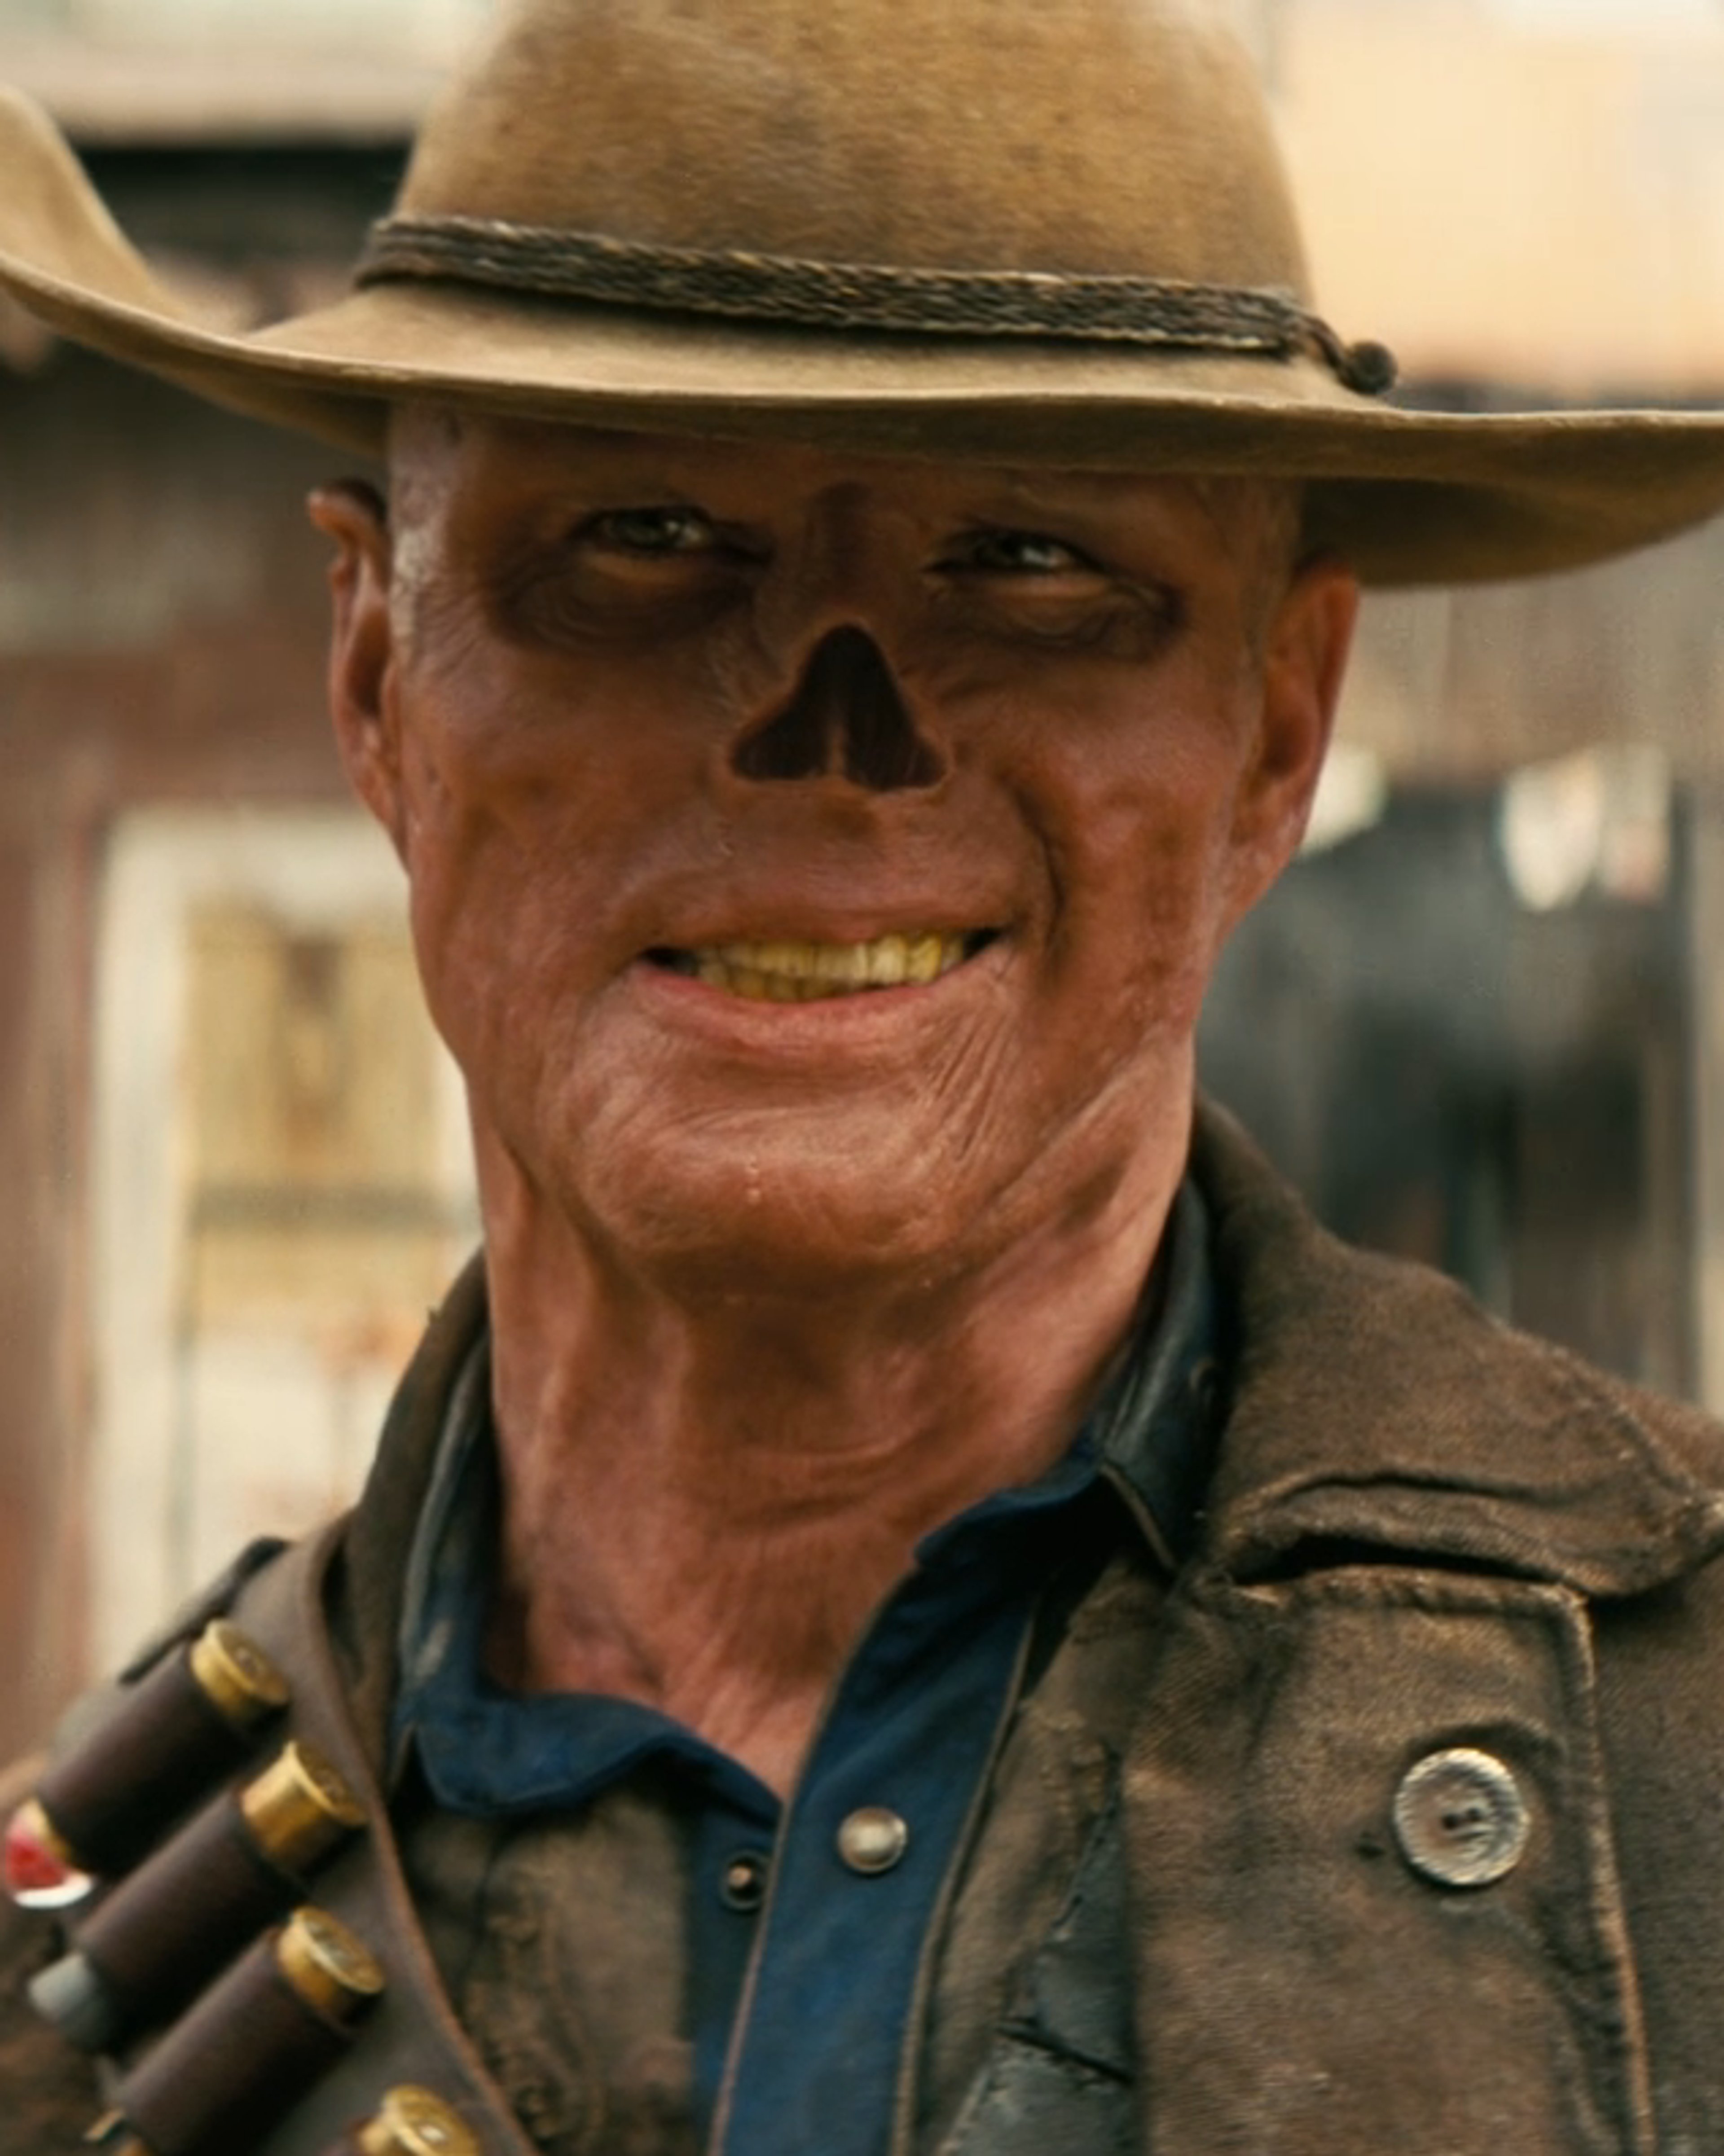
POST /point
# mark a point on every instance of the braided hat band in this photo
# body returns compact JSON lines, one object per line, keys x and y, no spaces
{"x":1144,"y":311}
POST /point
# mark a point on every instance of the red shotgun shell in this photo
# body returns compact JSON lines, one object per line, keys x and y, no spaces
{"x":40,"y":1871}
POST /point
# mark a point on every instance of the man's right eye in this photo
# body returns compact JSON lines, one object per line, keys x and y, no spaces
{"x":643,"y":567}
{"x":653,"y":534}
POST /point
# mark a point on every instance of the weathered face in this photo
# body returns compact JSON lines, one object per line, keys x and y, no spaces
{"x":817,"y":862}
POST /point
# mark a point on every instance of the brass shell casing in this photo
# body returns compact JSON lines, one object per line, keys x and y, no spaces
{"x":101,"y":2136}
{"x":32,"y":1817}
{"x":326,"y":1967}
{"x":300,"y":1808}
{"x":236,"y":1677}
{"x":165,"y":1741}
{"x":412,"y":2122}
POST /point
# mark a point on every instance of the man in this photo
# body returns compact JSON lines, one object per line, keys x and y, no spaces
{"x":914,"y":1604}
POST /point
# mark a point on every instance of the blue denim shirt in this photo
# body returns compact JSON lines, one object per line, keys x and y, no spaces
{"x":803,"y":1965}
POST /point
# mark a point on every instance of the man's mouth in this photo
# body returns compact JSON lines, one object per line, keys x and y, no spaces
{"x":796,"y":972}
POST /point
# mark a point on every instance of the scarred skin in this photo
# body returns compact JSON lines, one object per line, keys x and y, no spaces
{"x":777,"y":1287}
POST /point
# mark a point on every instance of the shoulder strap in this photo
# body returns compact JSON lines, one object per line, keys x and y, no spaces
{"x":409,"y":2039}
{"x":411,"y":2035}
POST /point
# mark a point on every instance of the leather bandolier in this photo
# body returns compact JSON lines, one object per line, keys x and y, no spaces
{"x":249,"y":1965}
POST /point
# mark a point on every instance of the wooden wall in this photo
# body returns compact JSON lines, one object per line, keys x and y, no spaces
{"x":160,"y":640}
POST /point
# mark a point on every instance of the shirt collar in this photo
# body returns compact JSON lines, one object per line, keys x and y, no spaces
{"x":1150,"y":1436}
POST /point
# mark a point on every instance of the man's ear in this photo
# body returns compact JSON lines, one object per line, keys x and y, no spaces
{"x":1305,"y":662}
{"x":351,"y":513}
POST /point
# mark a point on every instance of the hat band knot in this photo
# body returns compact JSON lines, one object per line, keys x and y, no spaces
{"x":776,"y":289}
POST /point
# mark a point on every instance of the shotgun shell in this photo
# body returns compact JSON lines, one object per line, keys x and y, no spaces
{"x":100,"y":2136}
{"x":236,"y":1677}
{"x":225,"y":2077}
{"x":235,"y":1867}
{"x":412,"y":2122}
{"x":72,"y":1994}
{"x":167,"y":1740}
{"x":326,"y":1967}
{"x":41,"y":1869}
{"x":300,"y":1808}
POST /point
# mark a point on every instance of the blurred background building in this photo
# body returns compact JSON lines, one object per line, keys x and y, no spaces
{"x":1479,"y":1022}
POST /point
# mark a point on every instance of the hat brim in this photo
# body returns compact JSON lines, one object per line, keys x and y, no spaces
{"x":1409,"y":496}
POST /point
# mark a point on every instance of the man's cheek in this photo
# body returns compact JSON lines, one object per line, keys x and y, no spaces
{"x":1151,"y":895}
{"x":1150,"y":974}
{"x":484,"y":947}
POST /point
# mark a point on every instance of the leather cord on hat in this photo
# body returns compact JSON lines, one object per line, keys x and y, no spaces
{"x":813,"y":294}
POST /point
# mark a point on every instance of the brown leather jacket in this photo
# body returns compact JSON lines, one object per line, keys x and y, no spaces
{"x":1424,"y":1535}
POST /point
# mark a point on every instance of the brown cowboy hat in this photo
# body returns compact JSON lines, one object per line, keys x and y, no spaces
{"x":1055,"y":233}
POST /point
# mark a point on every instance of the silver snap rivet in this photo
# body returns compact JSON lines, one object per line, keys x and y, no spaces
{"x":872,"y":1840}
{"x":1460,"y":1818}
{"x":742,"y":1886}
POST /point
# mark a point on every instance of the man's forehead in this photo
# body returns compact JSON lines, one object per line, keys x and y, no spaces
{"x":438,"y":448}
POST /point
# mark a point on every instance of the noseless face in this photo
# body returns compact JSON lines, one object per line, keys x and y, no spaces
{"x":817,"y":862}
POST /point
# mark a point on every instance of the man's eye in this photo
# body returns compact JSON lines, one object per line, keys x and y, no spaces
{"x":654,"y":533}
{"x":1017,"y":554}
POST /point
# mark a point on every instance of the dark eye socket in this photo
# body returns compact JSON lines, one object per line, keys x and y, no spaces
{"x":998,"y":552}
{"x":652,"y":534}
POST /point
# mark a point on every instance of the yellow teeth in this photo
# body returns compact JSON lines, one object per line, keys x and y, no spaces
{"x":809,"y":972}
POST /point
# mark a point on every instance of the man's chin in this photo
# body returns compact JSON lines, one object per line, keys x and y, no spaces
{"x":786,"y":1220}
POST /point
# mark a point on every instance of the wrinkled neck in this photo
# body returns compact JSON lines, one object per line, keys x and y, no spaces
{"x":705,"y":1495}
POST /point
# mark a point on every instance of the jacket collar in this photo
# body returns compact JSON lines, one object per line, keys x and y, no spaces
{"x":369,"y":1586}
{"x":1375,"y":1410}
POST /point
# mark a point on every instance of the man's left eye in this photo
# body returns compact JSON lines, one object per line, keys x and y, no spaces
{"x":652,"y":532}
{"x":1017,"y":554}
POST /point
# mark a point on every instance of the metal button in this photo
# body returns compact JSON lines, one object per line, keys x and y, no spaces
{"x":1461,"y":1819}
{"x":743,"y":1884}
{"x":872,"y":1840}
